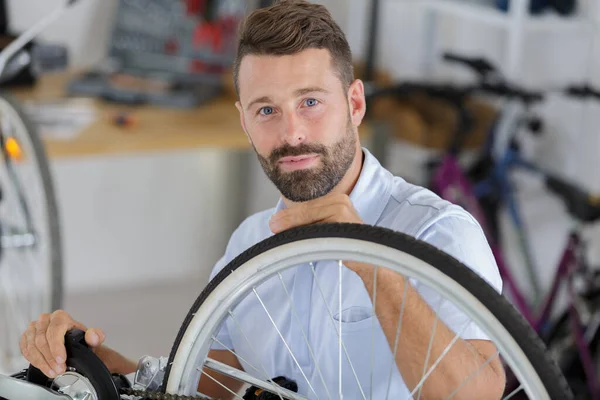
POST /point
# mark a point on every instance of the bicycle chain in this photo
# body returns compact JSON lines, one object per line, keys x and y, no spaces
{"x":159,"y":396}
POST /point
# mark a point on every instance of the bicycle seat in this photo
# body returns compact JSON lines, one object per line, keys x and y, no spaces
{"x":580,"y":204}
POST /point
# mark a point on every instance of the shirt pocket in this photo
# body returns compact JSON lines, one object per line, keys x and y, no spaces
{"x":358,"y":327}
{"x":355,"y":318}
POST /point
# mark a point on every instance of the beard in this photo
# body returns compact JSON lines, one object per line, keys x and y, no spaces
{"x":311,"y":183}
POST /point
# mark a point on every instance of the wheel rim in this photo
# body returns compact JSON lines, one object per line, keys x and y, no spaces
{"x":194,"y":346}
{"x":26,"y":284}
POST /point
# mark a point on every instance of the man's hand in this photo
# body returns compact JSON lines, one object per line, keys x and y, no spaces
{"x":330,"y":208}
{"x":43,"y":343}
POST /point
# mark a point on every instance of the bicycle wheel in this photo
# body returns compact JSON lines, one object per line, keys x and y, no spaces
{"x":30,"y":251}
{"x":274,"y":266}
{"x":561,"y":343}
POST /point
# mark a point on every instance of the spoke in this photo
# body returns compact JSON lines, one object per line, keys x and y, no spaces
{"x":252,"y":349}
{"x":8,"y":344}
{"x":15,"y":325}
{"x":223,"y":386}
{"x":472,"y":375}
{"x":439,"y":359}
{"x":238,"y":356}
{"x":284,"y":341}
{"x":11,"y":297}
{"x":17,"y":241}
{"x":11,"y":264}
{"x":340,"y":337}
{"x":517,"y":390}
{"x":27,"y":294}
{"x":17,"y":186}
{"x":37,"y":304}
{"x":435,"y":322}
{"x":304,"y":335}
{"x":396,"y":341}
{"x":21,"y":242}
{"x":336,"y":329}
{"x":243,"y":376}
{"x":373,"y":328}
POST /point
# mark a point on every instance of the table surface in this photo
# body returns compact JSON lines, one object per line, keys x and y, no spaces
{"x":214,"y":124}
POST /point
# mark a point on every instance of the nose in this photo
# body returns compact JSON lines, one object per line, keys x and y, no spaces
{"x":293,"y":130}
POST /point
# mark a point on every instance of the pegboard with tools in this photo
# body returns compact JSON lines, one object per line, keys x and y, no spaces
{"x":167,"y":52}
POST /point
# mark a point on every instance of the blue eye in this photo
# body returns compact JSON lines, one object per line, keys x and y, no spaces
{"x":266,"y":111}
{"x":311,"y":102}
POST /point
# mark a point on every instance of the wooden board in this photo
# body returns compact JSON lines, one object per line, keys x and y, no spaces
{"x":215,"y":124}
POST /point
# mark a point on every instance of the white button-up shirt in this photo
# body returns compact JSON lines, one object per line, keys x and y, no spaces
{"x":380,"y":199}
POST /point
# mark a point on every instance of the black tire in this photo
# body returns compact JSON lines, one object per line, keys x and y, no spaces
{"x":50,"y":198}
{"x":510,"y":318}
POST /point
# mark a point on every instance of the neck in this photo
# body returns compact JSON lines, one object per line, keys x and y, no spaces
{"x":348,"y":181}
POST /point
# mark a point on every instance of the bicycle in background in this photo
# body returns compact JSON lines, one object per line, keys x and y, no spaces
{"x":30,"y":238}
{"x":487,"y":186}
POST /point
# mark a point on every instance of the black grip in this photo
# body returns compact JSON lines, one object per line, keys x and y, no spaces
{"x":74,"y":341}
{"x":75,"y":338}
{"x":478,"y":64}
{"x":503,"y":90}
{"x":582,"y":91}
{"x":71,"y":2}
{"x":82,"y":359}
{"x":450,"y":93}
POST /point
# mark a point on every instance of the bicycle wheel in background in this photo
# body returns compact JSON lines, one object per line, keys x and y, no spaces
{"x":30,"y":251}
{"x":345,"y":352}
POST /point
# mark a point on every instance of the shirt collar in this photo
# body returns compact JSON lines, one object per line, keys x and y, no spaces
{"x":371,"y":192}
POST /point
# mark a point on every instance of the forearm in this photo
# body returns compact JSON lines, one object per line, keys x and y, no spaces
{"x":418,"y":324}
{"x":115,"y":362}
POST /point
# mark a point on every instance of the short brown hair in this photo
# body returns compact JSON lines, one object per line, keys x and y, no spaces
{"x":289,"y":27}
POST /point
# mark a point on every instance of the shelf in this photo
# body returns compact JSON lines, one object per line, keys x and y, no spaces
{"x":469,"y":10}
{"x":552,"y":22}
{"x":473,"y":10}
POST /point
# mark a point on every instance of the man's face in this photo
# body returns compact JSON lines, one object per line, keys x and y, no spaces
{"x":298,"y":118}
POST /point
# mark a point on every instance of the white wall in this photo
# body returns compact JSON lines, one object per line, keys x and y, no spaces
{"x":132,"y":220}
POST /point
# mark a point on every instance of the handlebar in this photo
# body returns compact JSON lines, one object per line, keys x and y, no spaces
{"x":457,"y":94}
{"x":478,"y":64}
{"x":484,"y":68}
{"x":512,"y":92}
{"x":456,"y":97}
{"x":582,"y":92}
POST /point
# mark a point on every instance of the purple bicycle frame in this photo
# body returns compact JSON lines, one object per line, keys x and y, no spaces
{"x":451,"y":184}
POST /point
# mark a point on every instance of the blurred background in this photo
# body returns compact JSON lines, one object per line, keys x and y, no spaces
{"x":152,"y":171}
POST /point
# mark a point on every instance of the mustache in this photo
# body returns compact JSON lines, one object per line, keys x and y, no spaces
{"x":305,"y":148}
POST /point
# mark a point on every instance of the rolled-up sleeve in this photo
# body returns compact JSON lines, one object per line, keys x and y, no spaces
{"x":460,"y":236}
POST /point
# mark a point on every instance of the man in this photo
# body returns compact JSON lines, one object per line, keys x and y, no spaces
{"x":301,"y":107}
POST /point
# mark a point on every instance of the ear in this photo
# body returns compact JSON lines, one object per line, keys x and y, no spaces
{"x":357,"y":102}
{"x":238,"y":105}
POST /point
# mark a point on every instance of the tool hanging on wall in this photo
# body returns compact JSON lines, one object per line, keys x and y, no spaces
{"x":182,"y":45}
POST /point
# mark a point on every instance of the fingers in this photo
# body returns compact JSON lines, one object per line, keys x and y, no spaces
{"x":94,"y":337}
{"x":31,"y":352}
{"x":60,"y":324}
{"x":333,"y":208}
{"x":43,"y":343}
{"x":293,"y":217}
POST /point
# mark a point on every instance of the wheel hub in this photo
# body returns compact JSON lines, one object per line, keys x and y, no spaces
{"x":75,"y":385}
